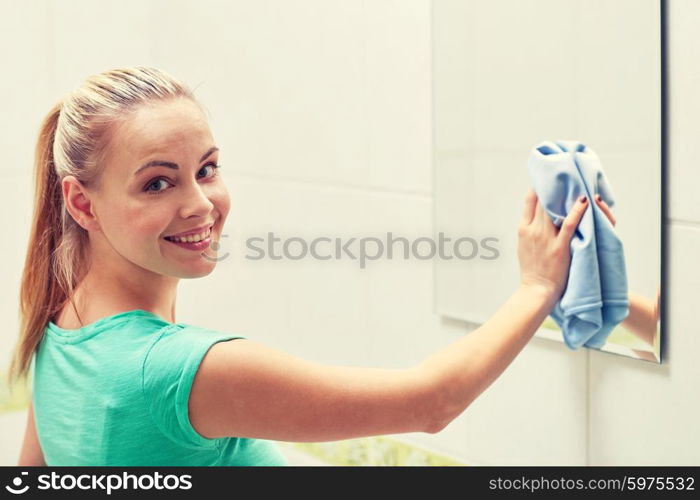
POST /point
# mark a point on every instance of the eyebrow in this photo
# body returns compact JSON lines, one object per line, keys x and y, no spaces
{"x":169,"y":164}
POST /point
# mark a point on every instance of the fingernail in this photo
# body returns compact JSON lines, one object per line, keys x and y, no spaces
{"x":582,"y":199}
{"x":597,"y":197}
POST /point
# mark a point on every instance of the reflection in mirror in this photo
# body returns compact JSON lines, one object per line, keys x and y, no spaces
{"x":509,"y":75}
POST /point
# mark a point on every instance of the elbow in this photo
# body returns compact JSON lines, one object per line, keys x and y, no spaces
{"x":441,"y":419}
{"x":441,"y":406}
{"x":435,"y":426}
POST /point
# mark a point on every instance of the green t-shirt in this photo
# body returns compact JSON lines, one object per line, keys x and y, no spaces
{"x":115,"y":393}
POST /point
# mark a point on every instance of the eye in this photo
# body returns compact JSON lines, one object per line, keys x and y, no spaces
{"x":214,"y":168}
{"x":154,"y":182}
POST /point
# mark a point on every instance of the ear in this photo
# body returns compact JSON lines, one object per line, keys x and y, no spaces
{"x":77,"y":200}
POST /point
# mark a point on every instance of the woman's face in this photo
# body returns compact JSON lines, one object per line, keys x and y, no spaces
{"x":160,"y":180}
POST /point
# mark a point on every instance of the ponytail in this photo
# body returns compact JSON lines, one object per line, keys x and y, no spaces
{"x":40,"y":294}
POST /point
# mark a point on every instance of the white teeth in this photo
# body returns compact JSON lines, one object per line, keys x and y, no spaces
{"x":193,"y":238}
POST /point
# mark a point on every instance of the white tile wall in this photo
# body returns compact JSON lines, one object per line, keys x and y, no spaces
{"x":684,"y":95}
{"x":285,"y":80}
{"x":87,"y":40}
{"x":27,"y":77}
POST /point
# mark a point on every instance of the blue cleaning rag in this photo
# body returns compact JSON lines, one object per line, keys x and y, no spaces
{"x":595,"y":299}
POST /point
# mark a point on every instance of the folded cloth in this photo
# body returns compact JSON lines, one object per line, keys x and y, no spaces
{"x":595,"y":299}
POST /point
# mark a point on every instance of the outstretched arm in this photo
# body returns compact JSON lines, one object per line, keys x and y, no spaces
{"x":245,"y":389}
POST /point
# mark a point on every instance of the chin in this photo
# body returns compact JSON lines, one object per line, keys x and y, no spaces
{"x":199,"y":269}
{"x":200,"y":272}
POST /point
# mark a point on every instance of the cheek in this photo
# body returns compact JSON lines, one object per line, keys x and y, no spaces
{"x":221,"y":201}
{"x":143,"y":223}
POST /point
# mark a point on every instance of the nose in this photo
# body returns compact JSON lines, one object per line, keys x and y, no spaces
{"x":196,"y":202}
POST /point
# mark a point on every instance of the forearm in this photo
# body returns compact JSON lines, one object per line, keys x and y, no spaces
{"x":463,"y":370}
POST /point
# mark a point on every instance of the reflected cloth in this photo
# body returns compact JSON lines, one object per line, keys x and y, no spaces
{"x":595,"y":299}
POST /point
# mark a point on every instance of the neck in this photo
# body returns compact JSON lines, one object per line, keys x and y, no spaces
{"x":105,"y":291}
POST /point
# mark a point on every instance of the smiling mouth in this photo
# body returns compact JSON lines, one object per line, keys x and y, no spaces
{"x":193,"y":238}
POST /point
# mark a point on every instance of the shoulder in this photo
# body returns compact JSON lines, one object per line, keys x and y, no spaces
{"x":169,"y":367}
{"x":183,"y":343}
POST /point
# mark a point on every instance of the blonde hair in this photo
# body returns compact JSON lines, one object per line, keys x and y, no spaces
{"x":73,"y":140}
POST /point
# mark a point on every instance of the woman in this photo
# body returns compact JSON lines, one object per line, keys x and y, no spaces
{"x":124,"y":165}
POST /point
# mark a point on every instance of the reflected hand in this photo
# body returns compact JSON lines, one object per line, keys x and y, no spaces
{"x":644,"y":313}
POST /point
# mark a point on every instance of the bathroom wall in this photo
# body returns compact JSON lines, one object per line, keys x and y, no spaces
{"x":322,"y":111}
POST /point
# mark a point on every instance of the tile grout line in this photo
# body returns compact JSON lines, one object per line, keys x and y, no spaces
{"x":682,"y":223}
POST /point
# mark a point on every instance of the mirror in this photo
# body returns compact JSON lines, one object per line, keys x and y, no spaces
{"x":508,"y":75}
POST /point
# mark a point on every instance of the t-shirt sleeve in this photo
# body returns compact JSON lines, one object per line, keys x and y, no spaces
{"x":169,"y":368}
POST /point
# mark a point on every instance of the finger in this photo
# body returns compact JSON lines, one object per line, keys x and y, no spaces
{"x":545,"y":221}
{"x":539,"y":215}
{"x":606,"y":209}
{"x":530,"y":206}
{"x":572,"y":219}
